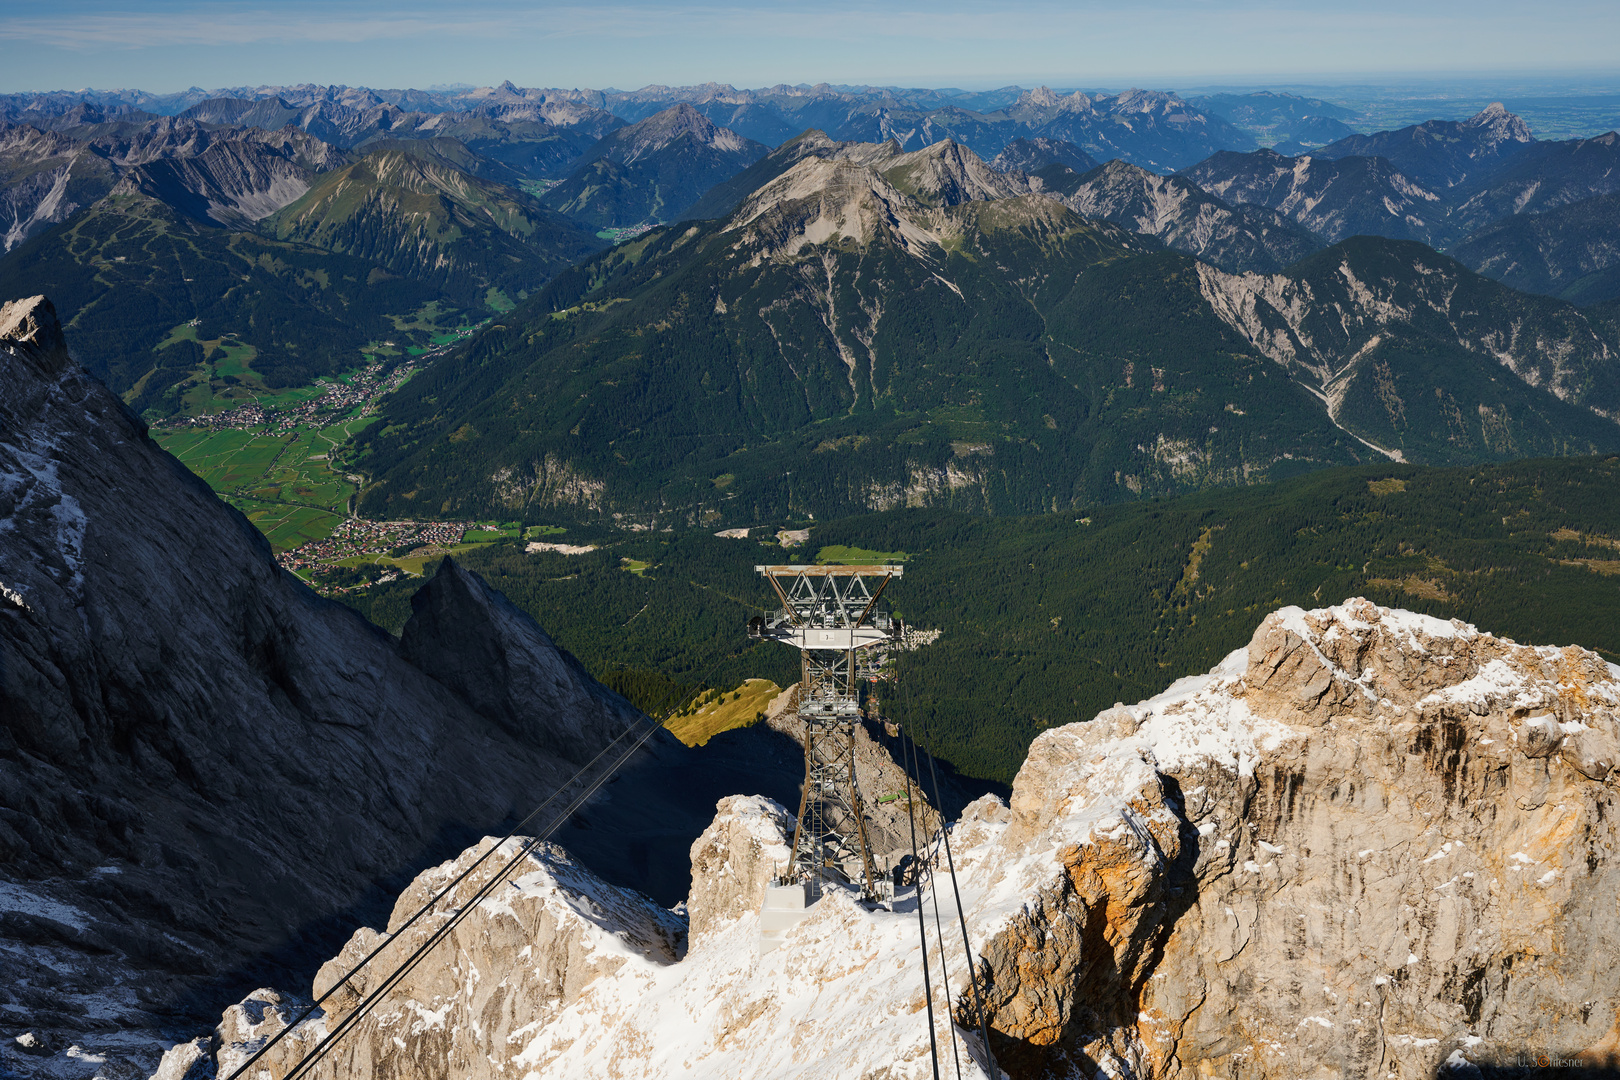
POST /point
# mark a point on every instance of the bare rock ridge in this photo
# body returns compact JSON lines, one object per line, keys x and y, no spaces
{"x":1369,"y":844}
{"x":1185,"y":218}
{"x":193,"y":741}
{"x":232,"y":184}
{"x":221,"y":176}
{"x":501,"y":662}
{"x":208,"y":773}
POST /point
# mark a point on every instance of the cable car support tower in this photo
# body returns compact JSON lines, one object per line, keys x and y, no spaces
{"x":831,"y":615}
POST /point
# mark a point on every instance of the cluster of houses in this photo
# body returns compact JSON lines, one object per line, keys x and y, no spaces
{"x":337,"y":399}
{"x":356,"y":538}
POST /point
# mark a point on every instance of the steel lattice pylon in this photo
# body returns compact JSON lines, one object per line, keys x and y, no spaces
{"x":830,"y":614}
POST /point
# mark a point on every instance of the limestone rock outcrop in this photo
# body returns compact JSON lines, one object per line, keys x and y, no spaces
{"x":748,"y":844}
{"x":1371,"y":853}
{"x":1369,"y":844}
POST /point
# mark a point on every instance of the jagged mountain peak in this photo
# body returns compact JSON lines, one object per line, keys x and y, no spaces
{"x":858,"y":191}
{"x":1499,"y":125}
{"x":495,"y":657}
{"x":948,"y":174}
{"x":638,"y":140}
{"x":1045,"y":101}
{"x":824,"y":200}
{"x":1031,"y":155}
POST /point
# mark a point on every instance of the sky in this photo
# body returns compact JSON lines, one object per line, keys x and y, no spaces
{"x":168,"y":45}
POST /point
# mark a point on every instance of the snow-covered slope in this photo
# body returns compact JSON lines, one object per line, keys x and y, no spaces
{"x":1370,"y":838}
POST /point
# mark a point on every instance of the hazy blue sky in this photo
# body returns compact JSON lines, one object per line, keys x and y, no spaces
{"x":171,"y":44}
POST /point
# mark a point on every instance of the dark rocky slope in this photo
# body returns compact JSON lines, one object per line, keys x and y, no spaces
{"x":207,"y":771}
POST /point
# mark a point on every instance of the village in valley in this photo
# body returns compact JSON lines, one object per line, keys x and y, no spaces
{"x":277,"y":457}
{"x":337,"y":399}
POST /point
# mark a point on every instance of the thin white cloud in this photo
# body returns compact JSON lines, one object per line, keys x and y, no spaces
{"x":628,"y":42}
{"x":1147,"y":25}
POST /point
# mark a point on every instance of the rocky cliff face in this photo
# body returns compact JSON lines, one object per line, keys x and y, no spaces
{"x":1360,"y":323}
{"x":1370,"y":843}
{"x":1371,"y":840}
{"x":1333,"y":197}
{"x":207,"y":772}
{"x":1173,"y":209}
{"x":232,"y":184}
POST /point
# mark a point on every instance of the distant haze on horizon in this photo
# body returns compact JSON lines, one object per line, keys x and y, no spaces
{"x":164,"y":46}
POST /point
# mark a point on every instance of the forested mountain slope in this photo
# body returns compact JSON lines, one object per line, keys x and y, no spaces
{"x":1416,"y":354}
{"x":870,"y":330}
{"x":1572,"y":251}
{"x":132,"y":273}
{"x":1443,"y":153}
{"x":409,"y":211}
{"x":1049,"y":619}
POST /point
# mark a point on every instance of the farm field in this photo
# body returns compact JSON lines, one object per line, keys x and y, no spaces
{"x":855,"y":556}
{"x":283,"y":481}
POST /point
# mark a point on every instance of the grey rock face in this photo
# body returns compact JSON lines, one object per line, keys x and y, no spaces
{"x":232,"y":184}
{"x":1333,"y":197}
{"x":1173,"y":209}
{"x":206,"y":770}
{"x":498,"y":660}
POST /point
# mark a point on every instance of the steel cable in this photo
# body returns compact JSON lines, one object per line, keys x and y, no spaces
{"x":324,"y":1047}
{"x":922,"y":924}
{"x":321,"y":1049}
{"x":956,"y":893}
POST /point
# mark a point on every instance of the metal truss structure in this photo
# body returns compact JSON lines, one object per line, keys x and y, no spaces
{"x":830,"y":614}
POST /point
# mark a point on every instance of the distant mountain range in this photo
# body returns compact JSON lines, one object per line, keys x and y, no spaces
{"x":652,"y":170}
{"x":1286,"y":122}
{"x":1155,"y":129}
{"x":472,"y":200}
{"x":1455,"y":185}
{"x":872,"y":328}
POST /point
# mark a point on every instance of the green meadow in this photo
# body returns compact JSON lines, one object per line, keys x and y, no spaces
{"x":285,"y":483}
